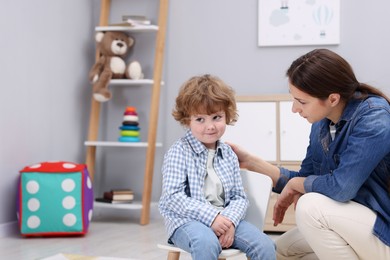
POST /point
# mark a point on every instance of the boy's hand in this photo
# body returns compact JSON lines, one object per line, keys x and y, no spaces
{"x":220,"y":225}
{"x":226,"y":240}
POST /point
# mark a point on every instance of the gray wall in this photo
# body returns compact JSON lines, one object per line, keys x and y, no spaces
{"x":47,"y":50}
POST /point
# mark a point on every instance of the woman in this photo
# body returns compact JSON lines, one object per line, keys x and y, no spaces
{"x":341,"y":192}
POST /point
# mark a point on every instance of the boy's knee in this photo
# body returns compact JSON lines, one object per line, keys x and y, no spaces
{"x":208,"y":242}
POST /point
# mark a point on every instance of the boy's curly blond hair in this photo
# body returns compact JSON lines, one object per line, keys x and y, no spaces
{"x":205,"y":95}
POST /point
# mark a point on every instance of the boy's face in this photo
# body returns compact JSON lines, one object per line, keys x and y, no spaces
{"x":208,"y":128}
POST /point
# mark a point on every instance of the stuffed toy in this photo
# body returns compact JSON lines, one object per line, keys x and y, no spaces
{"x":134,"y":70}
{"x":113,"y":47}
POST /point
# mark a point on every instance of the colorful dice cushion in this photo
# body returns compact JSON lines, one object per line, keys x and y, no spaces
{"x":54,"y":199}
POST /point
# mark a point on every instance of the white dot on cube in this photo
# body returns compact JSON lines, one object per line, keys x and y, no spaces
{"x":89,"y":183}
{"x":69,"y":165}
{"x":69,"y":220}
{"x":32,"y":187}
{"x":90,"y":213}
{"x":33,"y":222}
{"x":68,"y":185}
{"x":35,"y":166}
{"x":33,"y":204}
{"x":69,"y":202}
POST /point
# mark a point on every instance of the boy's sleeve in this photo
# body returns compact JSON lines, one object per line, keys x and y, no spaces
{"x":176,"y":200}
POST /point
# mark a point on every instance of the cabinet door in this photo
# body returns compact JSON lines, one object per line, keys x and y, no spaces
{"x":294,"y":134}
{"x":255,"y":129}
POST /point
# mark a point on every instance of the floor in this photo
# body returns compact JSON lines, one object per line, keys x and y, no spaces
{"x":112,"y":233}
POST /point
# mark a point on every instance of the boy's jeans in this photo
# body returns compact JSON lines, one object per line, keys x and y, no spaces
{"x":200,"y":240}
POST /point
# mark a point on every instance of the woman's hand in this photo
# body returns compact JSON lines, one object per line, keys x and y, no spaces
{"x":289,"y":195}
{"x":243,"y":155}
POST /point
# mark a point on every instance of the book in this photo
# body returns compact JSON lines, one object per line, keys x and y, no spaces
{"x":136,"y":19}
{"x":118,"y":196}
{"x":113,"y":201}
{"x":124,"y":24}
{"x":121,"y":191}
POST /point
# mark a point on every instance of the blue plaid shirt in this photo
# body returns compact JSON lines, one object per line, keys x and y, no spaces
{"x":184,"y":171}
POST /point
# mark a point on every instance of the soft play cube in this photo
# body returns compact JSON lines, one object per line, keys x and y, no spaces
{"x":54,"y":199}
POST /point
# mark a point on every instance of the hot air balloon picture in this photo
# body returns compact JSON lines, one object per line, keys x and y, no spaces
{"x":284,"y":5}
{"x":323,"y":16}
{"x":298,"y":22}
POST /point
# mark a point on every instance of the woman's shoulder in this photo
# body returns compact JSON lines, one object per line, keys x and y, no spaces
{"x":373,"y":107}
{"x":369,"y":106}
{"x":374,"y":101}
{"x":373,"y":112}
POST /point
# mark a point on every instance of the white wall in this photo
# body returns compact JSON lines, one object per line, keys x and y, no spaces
{"x":47,"y":49}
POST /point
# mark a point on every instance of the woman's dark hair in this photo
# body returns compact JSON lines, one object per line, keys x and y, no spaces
{"x":322,"y":72}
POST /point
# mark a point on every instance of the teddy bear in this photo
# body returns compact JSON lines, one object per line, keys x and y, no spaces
{"x":113,"y":47}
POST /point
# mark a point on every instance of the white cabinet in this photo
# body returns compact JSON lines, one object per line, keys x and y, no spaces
{"x":255,"y":129}
{"x":294,"y":133}
{"x":268,"y":128}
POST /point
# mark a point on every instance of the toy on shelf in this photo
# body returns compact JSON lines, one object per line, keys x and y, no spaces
{"x":112,"y":64}
{"x":129,"y":130}
{"x":54,"y":199}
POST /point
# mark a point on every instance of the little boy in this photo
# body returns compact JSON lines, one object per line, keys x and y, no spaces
{"x":203,"y":201}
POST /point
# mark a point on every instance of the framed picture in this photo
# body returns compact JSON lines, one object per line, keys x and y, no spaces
{"x":298,"y":22}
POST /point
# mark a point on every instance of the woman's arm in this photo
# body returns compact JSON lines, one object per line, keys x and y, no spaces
{"x":365,"y":143}
{"x":293,"y":189}
{"x":256,"y":164}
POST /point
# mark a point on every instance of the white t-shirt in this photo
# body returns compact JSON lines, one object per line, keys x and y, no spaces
{"x":213,"y":189}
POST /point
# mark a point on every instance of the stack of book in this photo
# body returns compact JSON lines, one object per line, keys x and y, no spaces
{"x":133,"y":21}
{"x":136,"y":20}
{"x":117,"y":196}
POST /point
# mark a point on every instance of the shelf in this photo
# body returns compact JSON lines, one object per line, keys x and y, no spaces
{"x":138,"y":28}
{"x":132,"y":82}
{"x":119,"y":144}
{"x":157,"y":34}
{"x":133,"y":205}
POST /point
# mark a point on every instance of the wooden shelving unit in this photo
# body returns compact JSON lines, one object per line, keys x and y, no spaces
{"x":92,"y":143}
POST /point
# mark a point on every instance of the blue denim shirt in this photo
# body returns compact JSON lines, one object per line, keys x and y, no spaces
{"x":184,"y":171}
{"x":356,"y":164}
